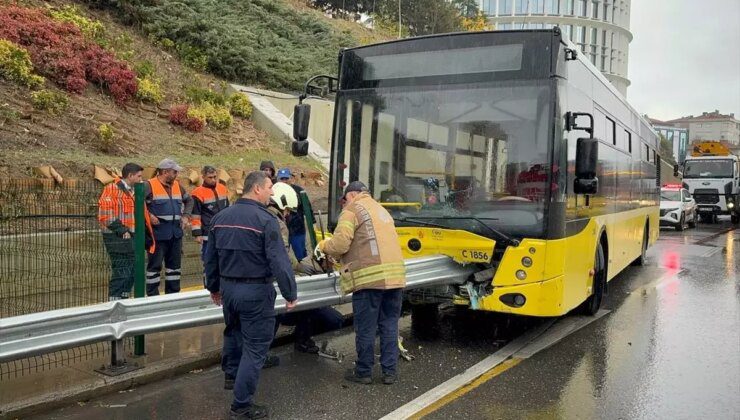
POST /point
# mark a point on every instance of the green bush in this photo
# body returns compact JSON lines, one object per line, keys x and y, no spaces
{"x":167,"y":43}
{"x":217,"y":116}
{"x":105,"y":137}
{"x":50,"y":101}
{"x":198,"y":95}
{"x":193,"y":57}
{"x":149,"y":90}
{"x":144,"y":68}
{"x":16,"y":66}
{"x":240,"y":105}
{"x":90,"y":28}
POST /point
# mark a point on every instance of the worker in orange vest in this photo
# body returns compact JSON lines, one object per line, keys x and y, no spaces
{"x":166,"y":201}
{"x":117,"y":224}
{"x":208,"y":199}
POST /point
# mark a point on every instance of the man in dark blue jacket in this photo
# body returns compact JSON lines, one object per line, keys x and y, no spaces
{"x":245,"y":254}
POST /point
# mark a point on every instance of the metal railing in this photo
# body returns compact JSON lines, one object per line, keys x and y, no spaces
{"x":41,"y":333}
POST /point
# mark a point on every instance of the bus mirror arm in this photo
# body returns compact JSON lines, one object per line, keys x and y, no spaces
{"x":302,"y":112}
{"x":571,"y":124}
{"x":587,"y":158}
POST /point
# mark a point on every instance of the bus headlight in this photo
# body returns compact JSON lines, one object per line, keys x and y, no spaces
{"x":730,"y":205}
{"x":527,"y":262}
{"x":521,"y":274}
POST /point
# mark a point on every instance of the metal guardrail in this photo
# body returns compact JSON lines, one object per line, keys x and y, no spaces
{"x":44,"y":332}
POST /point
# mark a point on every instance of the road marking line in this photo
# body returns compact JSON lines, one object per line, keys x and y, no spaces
{"x":562,"y":328}
{"x":655,"y":283}
{"x":503,"y":367}
{"x":191,"y":288}
{"x":466,"y":379}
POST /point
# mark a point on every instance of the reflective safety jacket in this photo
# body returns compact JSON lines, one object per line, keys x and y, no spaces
{"x":366,"y":243}
{"x":116,"y":210}
{"x":207,"y":201}
{"x":167,"y":204}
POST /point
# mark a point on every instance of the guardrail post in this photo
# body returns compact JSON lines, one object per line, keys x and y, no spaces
{"x":118,"y":363}
{"x":139,"y":257}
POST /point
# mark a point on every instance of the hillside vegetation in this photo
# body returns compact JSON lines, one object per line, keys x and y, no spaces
{"x":261,"y":42}
{"x":105,"y":82}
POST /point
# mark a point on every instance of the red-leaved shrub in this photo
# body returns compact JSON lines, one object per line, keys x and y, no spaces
{"x":179,"y":116}
{"x":60,"y":52}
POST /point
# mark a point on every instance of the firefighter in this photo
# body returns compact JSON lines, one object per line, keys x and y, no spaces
{"x":166,"y":202}
{"x":366,"y":243}
{"x":296,"y":221}
{"x":116,"y":218}
{"x":283,"y":201}
{"x":245,"y":253}
{"x":208,"y":199}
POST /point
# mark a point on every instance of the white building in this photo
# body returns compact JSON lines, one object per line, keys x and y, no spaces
{"x":711,"y":126}
{"x":599,"y":27}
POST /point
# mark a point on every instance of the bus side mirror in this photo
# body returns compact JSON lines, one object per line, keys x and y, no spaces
{"x":675,"y":170}
{"x":587,"y":157}
{"x":301,"y":118}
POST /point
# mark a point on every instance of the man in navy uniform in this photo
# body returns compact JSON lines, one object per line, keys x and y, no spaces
{"x":245,"y":254}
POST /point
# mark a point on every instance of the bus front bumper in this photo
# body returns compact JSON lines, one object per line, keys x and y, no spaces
{"x":545,"y":298}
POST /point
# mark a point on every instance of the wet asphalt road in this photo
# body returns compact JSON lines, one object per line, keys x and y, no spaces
{"x":669,"y":348}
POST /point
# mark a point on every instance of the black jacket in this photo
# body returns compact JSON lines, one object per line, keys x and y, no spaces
{"x":245,"y":241}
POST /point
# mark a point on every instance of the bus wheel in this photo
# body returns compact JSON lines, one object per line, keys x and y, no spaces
{"x":424,"y":314}
{"x":735,"y":218}
{"x":640,"y":261}
{"x":592,"y":304}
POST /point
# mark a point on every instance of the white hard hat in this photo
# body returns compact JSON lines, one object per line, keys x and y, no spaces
{"x":284,"y":196}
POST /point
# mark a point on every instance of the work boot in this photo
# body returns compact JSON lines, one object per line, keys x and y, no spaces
{"x":351,"y":375}
{"x":254,"y":411}
{"x":306,"y":346}
{"x":228,"y":382}
{"x":390,"y":378}
{"x":271,"y":361}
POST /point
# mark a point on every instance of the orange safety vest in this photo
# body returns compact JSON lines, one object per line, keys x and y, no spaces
{"x":118,"y":204}
{"x":209,"y":201}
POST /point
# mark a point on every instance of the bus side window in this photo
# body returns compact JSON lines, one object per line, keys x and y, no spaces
{"x":611,"y":137}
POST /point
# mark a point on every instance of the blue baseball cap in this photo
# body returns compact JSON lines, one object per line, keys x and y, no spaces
{"x":283,"y":173}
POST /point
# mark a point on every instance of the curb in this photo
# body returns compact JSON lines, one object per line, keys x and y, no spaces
{"x":108,"y":385}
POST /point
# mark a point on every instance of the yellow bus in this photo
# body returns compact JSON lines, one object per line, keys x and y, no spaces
{"x":508,"y":150}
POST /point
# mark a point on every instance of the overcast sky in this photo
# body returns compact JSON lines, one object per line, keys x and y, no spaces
{"x":685,"y":57}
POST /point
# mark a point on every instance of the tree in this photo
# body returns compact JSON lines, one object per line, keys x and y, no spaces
{"x":421,"y":17}
{"x":476,"y":23}
{"x":665,"y":149}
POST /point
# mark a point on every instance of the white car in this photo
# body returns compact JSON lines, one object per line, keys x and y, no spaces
{"x":677,"y":207}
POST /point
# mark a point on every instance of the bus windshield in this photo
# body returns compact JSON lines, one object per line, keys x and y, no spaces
{"x":714,"y":168}
{"x":472,"y":156}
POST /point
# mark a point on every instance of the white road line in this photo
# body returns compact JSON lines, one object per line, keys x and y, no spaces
{"x":562,"y":328}
{"x":472,"y":373}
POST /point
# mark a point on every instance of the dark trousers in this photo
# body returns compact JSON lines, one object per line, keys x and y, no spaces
{"x":203,"y":259}
{"x":170,"y":252}
{"x":311,"y":322}
{"x":376,"y":312}
{"x":298,"y":245}
{"x":121,"y":253}
{"x":249,"y":314}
